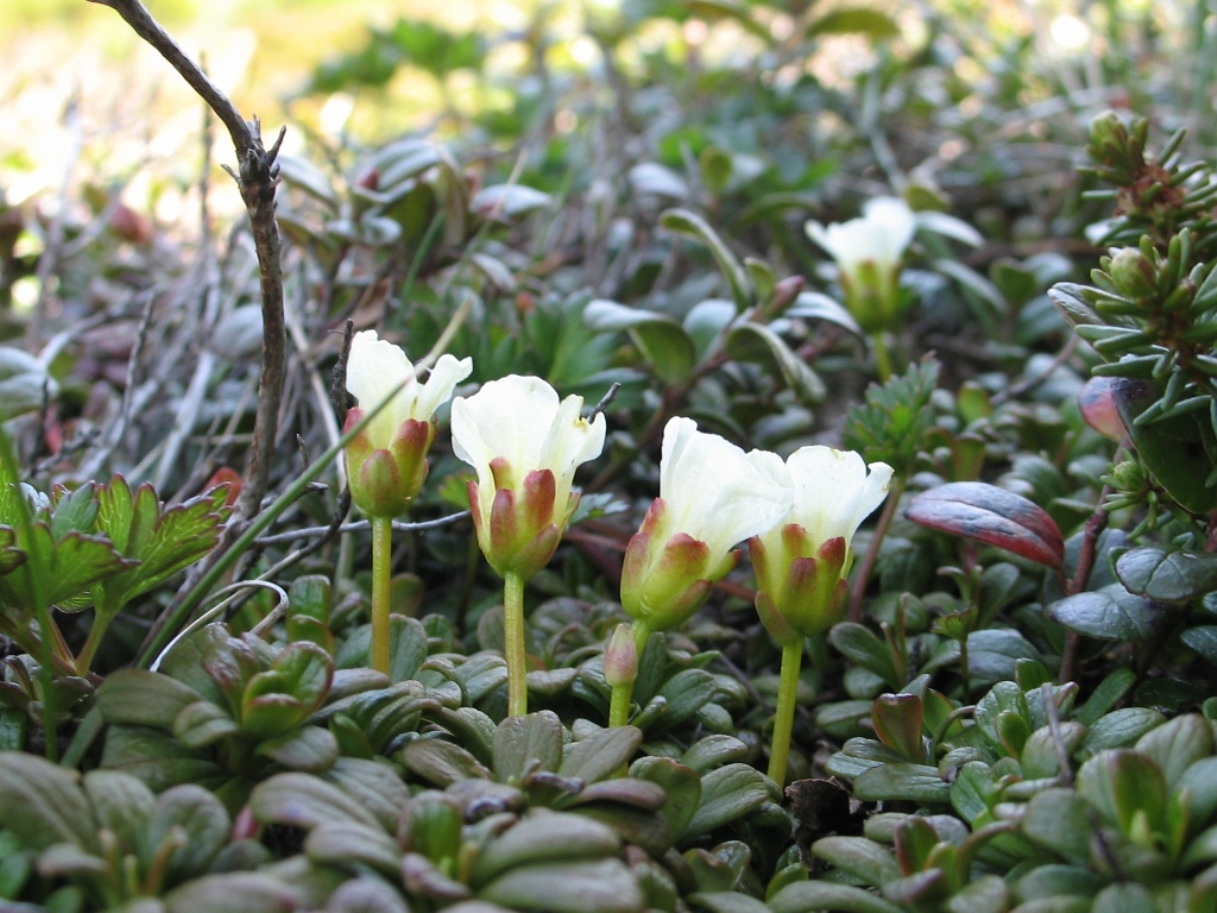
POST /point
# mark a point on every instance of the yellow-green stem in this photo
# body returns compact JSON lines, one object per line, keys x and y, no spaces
{"x":513,"y":645}
{"x":382,"y":588}
{"x":619,"y":704}
{"x":883,"y":358}
{"x":783,"y":719}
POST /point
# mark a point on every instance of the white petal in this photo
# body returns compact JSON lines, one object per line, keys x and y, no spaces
{"x":375,"y":368}
{"x":833,"y":491}
{"x":714,"y":491}
{"x":892,"y":224}
{"x":447,"y":373}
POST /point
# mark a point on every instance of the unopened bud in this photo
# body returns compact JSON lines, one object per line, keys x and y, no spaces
{"x":1097,"y":403}
{"x":621,"y":657}
{"x":1128,"y":476}
{"x":1133,"y":274}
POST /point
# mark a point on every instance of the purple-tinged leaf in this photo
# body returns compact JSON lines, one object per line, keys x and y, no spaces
{"x":977,"y":510}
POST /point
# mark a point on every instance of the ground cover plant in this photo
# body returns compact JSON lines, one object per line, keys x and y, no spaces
{"x":738,"y":457}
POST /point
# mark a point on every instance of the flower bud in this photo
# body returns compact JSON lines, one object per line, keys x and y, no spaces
{"x":621,"y":657}
{"x":1133,"y":274}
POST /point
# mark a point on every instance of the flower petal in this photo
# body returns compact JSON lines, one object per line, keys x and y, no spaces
{"x":447,"y":373}
{"x":375,"y":369}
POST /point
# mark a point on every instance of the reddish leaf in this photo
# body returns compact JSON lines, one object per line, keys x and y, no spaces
{"x":977,"y":510}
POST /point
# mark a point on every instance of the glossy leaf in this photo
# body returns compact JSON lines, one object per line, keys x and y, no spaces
{"x":1110,"y":613}
{"x":1167,"y":576}
{"x":689,"y":223}
{"x":977,"y":510}
{"x":1179,"y":452}
{"x":663,"y":342}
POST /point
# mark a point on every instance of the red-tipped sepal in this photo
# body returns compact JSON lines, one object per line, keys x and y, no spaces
{"x":385,"y":479}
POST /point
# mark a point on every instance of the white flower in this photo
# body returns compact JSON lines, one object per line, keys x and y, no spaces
{"x":525,"y":446}
{"x":387,"y":461}
{"x":869,"y":252}
{"x":712,"y":496}
{"x":801,"y":563}
{"x":376,"y":368}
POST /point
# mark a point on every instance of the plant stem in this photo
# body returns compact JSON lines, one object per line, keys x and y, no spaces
{"x":513,"y":644}
{"x":102,"y":616}
{"x":783,"y":718}
{"x":883,"y":358}
{"x":619,"y":705}
{"x":895,"y":490}
{"x":382,"y":591}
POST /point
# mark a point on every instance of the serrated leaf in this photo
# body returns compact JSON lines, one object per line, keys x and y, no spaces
{"x":753,"y":342}
{"x":995,"y":516}
{"x":163,"y":540}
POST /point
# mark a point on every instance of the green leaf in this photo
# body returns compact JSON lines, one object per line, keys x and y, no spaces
{"x":304,"y":801}
{"x":713,"y":751}
{"x":310,"y":749}
{"x":1122,"y":784}
{"x":663,"y":342}
{"x":727,"y":794}
{"x":902,"y":781}
{"x":348,"y":843}
{"x":163,"y":540}
{"x":258,"y":893}
{"x":1059,"y":819}
{"x":141,"y":698}
{"x":524,"y":744}
{"x":755,"y":343}
{"x":862,"y":858}
{"x":59,"y":570}
{"x":1176,"y":745}
{"x":1202,"y":639}
{"x":818,"y":306}
{"x":376,"y":786}
{"x":601,"y":754}
{"x":121,"y":803}
{"x":203,"y":723}
{"x":440,"y":762}
{"x":44,"y":803}
{"x":1167,"y":576}
{"x":544,"y":837}
{"x":860,"y":645}
{"x":872,"y":23}
{"x":1120,"y":728}
{"x":994,"y":654}
{"x":1109,"y":613}
{"x":682,"y":785}
{"x":604,"y":886}
{"x":205,"y":822}
{"x":687,"y":223}
{"x":1179,"y":451}
{"x":815,"y":896}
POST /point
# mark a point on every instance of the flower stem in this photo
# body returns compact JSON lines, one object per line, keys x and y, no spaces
{"x":883,"y":358}
{"x":382,"y":559}
{"x":619,"y":705}
{"x":513,"y":644}
{"x":783,"y":719}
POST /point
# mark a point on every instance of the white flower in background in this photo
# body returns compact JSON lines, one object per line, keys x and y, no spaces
{"x":869,"y":252}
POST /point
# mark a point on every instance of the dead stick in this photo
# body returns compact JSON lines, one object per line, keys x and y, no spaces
{"x":257,"y":178}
